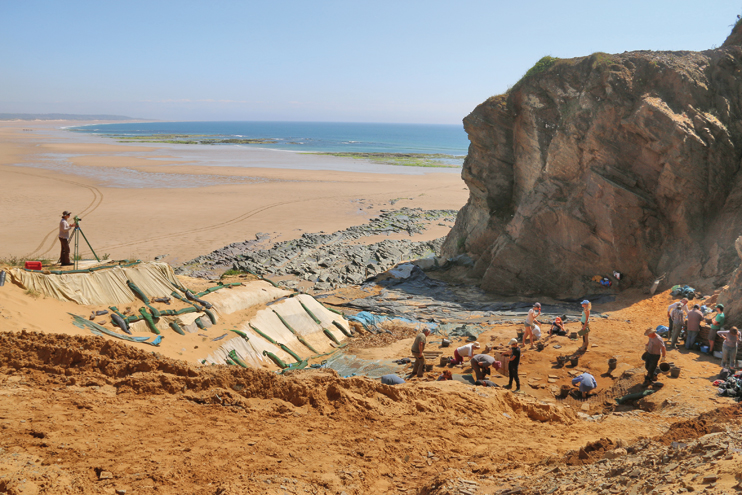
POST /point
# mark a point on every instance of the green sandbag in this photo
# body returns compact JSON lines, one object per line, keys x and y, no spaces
{"x":275,"y":359}
{"x":216,"y":288}
{"x":330,"y":335}
{"x":342,"y":329}
{"x":185,"y":310}
{"x":263,"y":335}
{"x":289,"y":351}
{"x":155,"y":312}
{"x":316,"y":320}
{"x":285,"y":323}
{"x":301,"y":339}
{"x":136,"y":290}
{"x":634,"y":396}
{"x":295,"y":366}
{"x":229,"y":362}
{"x":199,"y":324}
{"x":174,"y":325}
{"x":241,"y":334}
{"x":332,"y":309}
{"x":236,"y":359}
{"x":134,"y":318}
{"x":150,"y":321}
{"x":211,"y":316}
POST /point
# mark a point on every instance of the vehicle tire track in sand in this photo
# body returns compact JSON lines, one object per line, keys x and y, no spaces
{"x":94,"y":204}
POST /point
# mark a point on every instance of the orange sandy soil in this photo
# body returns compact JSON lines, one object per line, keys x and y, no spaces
{"x":87,"y":415}
{"x":183,"y":223}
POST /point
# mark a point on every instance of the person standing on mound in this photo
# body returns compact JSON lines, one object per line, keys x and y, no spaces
{"x":513,"y":365}
{"x":64,"y":237}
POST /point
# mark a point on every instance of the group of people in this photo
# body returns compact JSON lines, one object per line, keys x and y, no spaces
{"x":680,"y":317}
{"x":482,"y":364}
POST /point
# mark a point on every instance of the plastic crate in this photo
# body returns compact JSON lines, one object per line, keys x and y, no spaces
{"x":33,"y":265}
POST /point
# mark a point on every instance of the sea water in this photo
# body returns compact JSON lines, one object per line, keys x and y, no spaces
{"x":327,"y":137}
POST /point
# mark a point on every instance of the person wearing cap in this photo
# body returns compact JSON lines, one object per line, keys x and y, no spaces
{"x":655,"y":349}
{"x":585,"y":320}
{"x":695,"y":317}
{"x":464,"y":352}
{"x":65,"y":229}
{"x":480,"y":365}
{"x":418,"y":346}
{"x":586,"y":383}
{"x":513,"y":364}
{"x":677,"y":315}
{"x":531,"y":321}
{"x":716,"y":325}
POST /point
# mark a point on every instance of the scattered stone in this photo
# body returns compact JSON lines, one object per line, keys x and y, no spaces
{"x":105,"y":475}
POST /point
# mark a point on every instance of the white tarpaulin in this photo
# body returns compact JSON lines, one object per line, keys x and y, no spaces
{"x":100,"y":287}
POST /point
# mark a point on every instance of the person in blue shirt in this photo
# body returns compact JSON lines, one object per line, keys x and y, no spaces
{"x":586,"y":383}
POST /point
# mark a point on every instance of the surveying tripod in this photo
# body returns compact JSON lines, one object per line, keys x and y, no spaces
{"x":77,"y":233}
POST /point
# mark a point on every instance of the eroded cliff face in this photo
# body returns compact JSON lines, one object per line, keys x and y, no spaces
{"x":625,"y":162}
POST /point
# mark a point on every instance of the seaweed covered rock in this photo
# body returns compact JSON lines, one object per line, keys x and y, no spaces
{"x":627,"y":162}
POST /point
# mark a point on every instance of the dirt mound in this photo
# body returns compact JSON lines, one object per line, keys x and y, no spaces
{"x":702,"y":425}
{"x":96,"y":360}
{"x":591,"y":452}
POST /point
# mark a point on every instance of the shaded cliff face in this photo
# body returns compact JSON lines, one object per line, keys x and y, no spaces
{"x":625,"y":162}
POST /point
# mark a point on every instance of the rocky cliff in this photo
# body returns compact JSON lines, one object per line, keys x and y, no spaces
{"x":627,"y":162}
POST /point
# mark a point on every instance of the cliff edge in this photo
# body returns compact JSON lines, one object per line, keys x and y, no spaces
{"x":627,"y":162}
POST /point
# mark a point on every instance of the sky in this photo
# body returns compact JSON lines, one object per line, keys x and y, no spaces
{"x":400,"y":61}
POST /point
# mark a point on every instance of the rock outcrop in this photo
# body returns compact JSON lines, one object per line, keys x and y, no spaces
{"x":627,"y":162}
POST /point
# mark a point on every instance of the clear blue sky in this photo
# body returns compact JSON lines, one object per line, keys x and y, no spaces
{"x":346,"y":61}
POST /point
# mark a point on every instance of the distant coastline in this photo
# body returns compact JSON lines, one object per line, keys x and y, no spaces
{"x":419,"y":145}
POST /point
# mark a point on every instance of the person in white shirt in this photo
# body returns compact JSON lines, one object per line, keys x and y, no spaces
{"x":65,"y":229}
{"x":531,"y":321}
{"x":464,"y":352}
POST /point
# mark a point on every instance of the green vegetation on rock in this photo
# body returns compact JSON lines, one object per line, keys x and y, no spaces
{"x":542,"y":65}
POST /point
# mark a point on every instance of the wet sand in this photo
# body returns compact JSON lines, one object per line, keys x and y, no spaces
{"x":142,"y":201}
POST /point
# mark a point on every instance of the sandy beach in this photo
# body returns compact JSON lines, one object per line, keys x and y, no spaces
{"x":142,"y":201}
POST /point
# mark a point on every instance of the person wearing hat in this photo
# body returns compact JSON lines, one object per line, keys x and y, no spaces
{"x":557,"y":328}
{"x":531,"y":321}
{"x":670,"y":320}
{"x":418,"y":346}
{"x":65,"y":228}
{"x":513,"y":364}
{"x":655,"y":349}
{"x":464,"y":352}
{"x":585,"y":320}
{"x":677,"y":316}
{"x":716,"y":325}
{"x":480,"y":365}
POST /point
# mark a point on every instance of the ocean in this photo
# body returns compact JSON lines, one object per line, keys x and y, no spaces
{"x":322,"y":137}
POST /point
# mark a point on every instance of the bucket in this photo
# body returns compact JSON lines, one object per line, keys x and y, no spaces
{"x":675,"y":372}
{"x":445,"y":343}
{"x":520,"y":336}
{"x":612,"y":362}
{"x":664,"y":367}
{"x":487,"y":349}
{"x":428,"y":367}
{"x":539,"y":346}
{"x":573,"y":336}
{"x":444,"y":361}
{"x":704,"y":349}
{"x":564,"y":391}
{"x":574,"y":361}
{"x":561,"y":360}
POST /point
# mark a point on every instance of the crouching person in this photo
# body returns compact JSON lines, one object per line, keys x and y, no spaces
{"x":586,"y":382}
{"x":481,"y":364}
